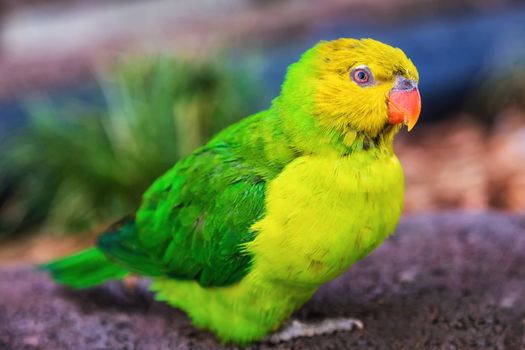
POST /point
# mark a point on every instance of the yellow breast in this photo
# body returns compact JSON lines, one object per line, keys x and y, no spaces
{"x":324,"y":213}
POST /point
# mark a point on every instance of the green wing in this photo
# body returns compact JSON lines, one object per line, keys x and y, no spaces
{"x":193,"y":220}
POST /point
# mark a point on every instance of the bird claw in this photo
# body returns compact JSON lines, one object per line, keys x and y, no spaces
{"x":297,"y":329}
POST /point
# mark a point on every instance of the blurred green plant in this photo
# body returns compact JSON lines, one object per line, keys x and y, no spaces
{"x":75,"y":168}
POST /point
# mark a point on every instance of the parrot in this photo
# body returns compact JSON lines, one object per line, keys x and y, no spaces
{"x":243,"y":231}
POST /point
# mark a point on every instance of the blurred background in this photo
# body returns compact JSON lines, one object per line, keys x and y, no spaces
{"x":98,"y":98}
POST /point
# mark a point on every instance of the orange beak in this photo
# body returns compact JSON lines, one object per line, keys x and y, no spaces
{"x":404,"y":104}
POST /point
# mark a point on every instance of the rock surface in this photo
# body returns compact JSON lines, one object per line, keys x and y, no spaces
{"x":444,"y":281}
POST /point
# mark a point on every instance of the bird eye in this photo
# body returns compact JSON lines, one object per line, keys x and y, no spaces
{"x":361,"y":76}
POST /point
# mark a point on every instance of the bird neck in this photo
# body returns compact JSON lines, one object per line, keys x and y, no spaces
{"x":363,"y":142}
{"x":307,"y":136}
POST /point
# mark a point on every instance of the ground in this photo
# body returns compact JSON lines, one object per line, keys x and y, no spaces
{"x":443,"y":281}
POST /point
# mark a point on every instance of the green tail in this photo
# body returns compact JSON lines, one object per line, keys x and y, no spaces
{"x":85,"y":269}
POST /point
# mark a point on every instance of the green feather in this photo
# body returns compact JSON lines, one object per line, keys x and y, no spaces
{"x":85,"y":269}
{"x":195,"y":219}
{"x":120,"y":244}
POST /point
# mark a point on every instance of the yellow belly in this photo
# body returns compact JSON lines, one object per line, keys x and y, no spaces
{"x":325,"y":213}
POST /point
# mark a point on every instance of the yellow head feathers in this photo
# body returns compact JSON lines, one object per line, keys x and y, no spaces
{"x":349,"y":82}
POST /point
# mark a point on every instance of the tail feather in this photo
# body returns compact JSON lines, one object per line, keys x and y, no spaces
{"x":85,"y":269}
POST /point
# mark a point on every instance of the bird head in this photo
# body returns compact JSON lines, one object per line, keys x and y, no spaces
{"x":352,"y":87}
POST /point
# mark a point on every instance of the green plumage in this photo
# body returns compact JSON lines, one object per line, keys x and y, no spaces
{"x":242,"y":232}
{"x":195,"y":218}
{"x":85,"y":269}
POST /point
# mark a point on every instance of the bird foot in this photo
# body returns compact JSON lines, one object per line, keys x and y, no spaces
{"x":297,"y":329}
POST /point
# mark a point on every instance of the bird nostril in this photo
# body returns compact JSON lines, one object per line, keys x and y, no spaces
{"x":405,"y":84}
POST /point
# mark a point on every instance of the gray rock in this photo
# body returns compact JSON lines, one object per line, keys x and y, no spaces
{"x":445,"y":281}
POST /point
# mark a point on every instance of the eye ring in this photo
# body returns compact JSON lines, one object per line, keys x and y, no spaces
{"x":361,"y":76}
